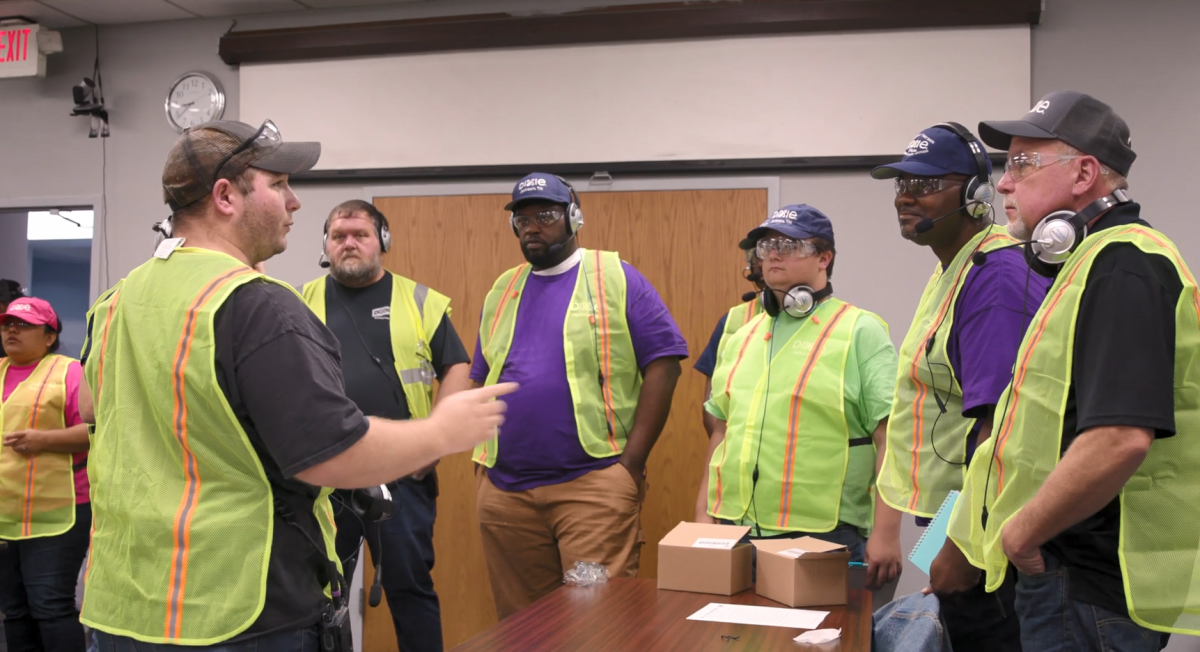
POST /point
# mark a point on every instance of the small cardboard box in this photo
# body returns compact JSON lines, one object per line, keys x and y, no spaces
{"x":705,"y":559}
{"x":803,"y":572}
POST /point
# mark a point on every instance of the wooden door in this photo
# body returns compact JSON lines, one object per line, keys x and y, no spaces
{"x":684,"y":242}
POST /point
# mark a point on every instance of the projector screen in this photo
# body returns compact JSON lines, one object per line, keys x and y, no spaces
{"x":846,"y":94}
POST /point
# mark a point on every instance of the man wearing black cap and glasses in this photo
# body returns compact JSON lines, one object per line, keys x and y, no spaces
{"x":220,"y":413}
{"x":1090,"y":481}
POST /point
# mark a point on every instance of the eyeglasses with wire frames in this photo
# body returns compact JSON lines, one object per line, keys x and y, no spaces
{"x":1022,"y":165}
{"x":921,"y":186}
{"x":269,"y":136}
{"x":544,"y":218}
{"x":785,"y":247}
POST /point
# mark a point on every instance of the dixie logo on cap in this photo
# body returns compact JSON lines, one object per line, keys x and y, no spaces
{"x":782,"y":215}
{"x":919,"y":145}
{"x":20,"y":307}
{"x":530,"y":185}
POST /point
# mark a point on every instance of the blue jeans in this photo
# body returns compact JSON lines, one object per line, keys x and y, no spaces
{"x":910,"y":623}
{"x":1052,"y":622}
{"x":37,"y":589}
{"x":407,"y":556}
{"x":301,"y":640}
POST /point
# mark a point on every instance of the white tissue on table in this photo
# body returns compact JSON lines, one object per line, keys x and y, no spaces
{"x":819,"y":636}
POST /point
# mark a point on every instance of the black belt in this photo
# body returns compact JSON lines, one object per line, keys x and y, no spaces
{"x":860,"y":441}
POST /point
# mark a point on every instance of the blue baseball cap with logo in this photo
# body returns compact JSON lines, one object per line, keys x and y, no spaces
{"x":935,"y":152}
{"x":539,"y":186}
{"x":798,"y":221}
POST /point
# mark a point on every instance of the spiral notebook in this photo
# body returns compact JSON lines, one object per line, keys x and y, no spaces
{"x":934,"y":536}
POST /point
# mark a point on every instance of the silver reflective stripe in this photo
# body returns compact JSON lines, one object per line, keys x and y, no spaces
{"x":422,"y":375}
{"x":420,"y":293}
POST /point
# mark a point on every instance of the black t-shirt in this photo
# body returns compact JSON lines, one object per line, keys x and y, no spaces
{"x":1123,"y":375}
{"x":278,"y":367}
{"x":360,"y":318}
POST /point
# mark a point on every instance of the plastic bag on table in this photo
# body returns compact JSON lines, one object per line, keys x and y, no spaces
{"x":586,"y":573}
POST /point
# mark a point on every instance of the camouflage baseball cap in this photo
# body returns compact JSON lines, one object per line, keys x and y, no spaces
{"x":223,"y":149}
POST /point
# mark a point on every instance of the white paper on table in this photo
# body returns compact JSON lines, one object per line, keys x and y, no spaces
{"x":741,"y":614}
{"x":720,"y":544}
{"x":817,"y":636}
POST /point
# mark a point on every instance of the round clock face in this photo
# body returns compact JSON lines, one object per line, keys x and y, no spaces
{"x":193,"y":99}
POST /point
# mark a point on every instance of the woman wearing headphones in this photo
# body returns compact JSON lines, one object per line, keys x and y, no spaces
{"x":45,"y":514}
{"x":802,"y":394}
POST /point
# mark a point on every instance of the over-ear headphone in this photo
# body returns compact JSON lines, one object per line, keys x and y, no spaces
{"x":799,"y":302}
{"x":381,"y":229}
{"x":1058,"y":234}
{"x":574,"y":211}
{"x":977,"y":192}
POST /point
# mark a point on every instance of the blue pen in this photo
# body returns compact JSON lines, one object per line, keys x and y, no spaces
{"x":858,"y":563}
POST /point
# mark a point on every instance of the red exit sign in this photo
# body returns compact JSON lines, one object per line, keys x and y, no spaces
{"x":19,"y":54}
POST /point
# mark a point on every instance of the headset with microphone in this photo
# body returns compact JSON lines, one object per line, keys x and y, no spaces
{"x":574,"y":219}
{"x":381,"y":229}
{"x":750,"y":275}
{"x":977,"y":192}
{"x":1058,"y":234}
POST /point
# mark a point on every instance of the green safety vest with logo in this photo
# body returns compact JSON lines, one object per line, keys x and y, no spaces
{"x":183,"y":514}
{"x":37,"y":491}
{"x":915,"y":478}
{"x":414,"y":315}
{"x":1160,"y":517}
{"x":602,"y":369}
{"x":814,"y":467}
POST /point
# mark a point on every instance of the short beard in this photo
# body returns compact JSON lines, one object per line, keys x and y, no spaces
{"x":549,"y":256}
{"x":1017,"y":229}
{"x":355,"y":272}
{"x":260,"y":231}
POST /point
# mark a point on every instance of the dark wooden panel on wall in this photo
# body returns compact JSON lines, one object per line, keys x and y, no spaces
{"x":627,"y":169}
{"x":648,"y":22}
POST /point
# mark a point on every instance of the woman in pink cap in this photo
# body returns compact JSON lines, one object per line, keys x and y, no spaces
{"x":45,"y":515}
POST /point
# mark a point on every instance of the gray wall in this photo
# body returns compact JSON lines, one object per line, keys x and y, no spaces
{"x":62,"y":166}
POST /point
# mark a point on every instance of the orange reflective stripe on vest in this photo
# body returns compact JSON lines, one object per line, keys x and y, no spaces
{"x":785,"y":492}
{"x":183,"y":516}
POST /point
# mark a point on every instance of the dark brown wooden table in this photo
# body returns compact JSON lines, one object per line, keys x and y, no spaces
{"x":630,"y":614}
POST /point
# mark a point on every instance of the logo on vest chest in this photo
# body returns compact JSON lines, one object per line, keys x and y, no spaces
{"x":384,"y":313}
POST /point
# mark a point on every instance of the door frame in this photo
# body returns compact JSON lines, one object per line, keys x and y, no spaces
{"x":99,"y":228}
{"x":483,"y":187}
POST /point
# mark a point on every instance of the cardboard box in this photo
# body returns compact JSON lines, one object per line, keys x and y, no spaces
{"x":705,"y":559}
{"x":803,"y":572}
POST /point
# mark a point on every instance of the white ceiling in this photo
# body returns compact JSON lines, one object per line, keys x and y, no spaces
{"x":58,"y":14}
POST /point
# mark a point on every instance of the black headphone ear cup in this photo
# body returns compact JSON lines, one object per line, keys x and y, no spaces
{"x":1040,"y":268}
{"x":385,"y":238}
{"x":770,"y":303}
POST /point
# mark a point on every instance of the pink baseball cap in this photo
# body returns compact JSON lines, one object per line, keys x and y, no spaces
{"x":31,"y":310}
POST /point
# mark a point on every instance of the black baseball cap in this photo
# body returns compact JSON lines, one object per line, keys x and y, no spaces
{"x":1077,"y":119}
{"x":223,"y":149}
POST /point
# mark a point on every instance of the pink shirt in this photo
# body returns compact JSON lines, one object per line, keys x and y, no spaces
{"x":17,"y":374}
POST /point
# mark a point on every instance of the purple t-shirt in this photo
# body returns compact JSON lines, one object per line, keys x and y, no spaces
{"x":990,"y":318}
{"x":539,"y":443}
